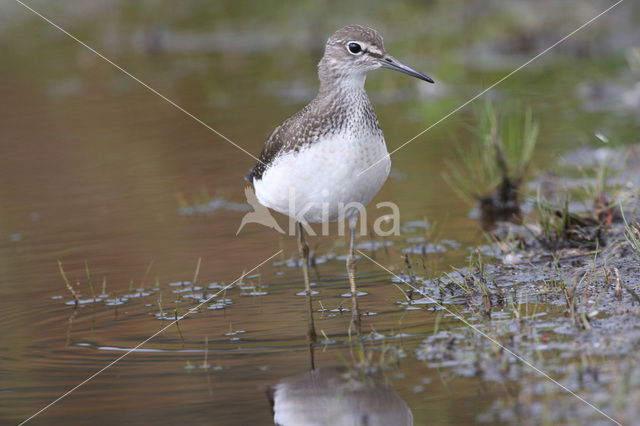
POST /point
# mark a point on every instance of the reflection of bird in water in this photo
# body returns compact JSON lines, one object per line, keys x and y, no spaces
{"x":336,"y":396}
{"x":260,"y":213}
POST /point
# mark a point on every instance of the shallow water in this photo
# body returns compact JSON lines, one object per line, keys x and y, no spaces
{"x":97,"y":169}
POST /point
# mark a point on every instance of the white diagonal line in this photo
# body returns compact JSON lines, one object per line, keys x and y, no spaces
{"x":494,"y":341}
{"x":495,"y":84}
{"x":151,"y":89}
{"x":146,"y":340}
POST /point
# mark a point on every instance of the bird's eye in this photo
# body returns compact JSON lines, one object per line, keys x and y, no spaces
{"x":354,"y":48}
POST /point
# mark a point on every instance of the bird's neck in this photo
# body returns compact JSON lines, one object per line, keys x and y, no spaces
{"x":344,"y":93}
{"x":344,"y":84}
{"x":335,"y":78}
{"x":343,"y":98}
{"x":345,"y":107}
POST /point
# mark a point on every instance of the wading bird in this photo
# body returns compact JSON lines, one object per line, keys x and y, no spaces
{"x":332,"y":153}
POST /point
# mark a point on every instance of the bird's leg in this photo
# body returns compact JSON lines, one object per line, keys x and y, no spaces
{"x":303,"y":248}
{"x":351,"y":258}
{"x":351,"y":272}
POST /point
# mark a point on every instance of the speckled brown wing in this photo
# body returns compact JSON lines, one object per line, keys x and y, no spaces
{"x":279,"y":142}
{"x":271,"y":148}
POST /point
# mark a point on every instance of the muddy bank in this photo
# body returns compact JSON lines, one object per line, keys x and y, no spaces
{"x":559,"y":291}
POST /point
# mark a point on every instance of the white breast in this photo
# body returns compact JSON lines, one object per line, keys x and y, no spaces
{"x":320,"y":180}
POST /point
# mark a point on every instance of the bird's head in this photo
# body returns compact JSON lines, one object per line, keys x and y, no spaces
{"x":355,"y":50}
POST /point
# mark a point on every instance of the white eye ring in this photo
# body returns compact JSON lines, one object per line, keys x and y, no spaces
{"x":354,"y":48}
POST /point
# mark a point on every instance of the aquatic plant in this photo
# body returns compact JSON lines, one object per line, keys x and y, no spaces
{"x":560,"y":228}
{"x":490,"y":173}
{"x":76,"y":298}
{"x":632,"y":235}
{"x":603,"y":190}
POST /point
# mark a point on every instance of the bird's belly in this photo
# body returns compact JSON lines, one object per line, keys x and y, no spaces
{"x":326,"y":181}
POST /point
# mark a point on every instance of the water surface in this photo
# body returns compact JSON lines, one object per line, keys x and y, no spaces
{"x":97,"y":169}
